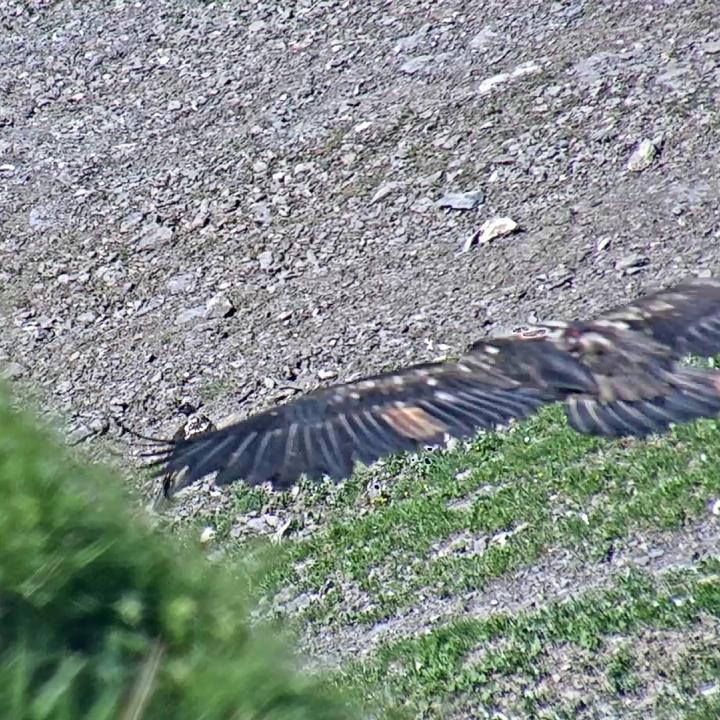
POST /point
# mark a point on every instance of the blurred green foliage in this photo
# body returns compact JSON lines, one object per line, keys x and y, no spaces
{"x":102,"y":617}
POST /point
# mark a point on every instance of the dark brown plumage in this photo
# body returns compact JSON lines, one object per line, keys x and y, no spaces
{"x":618,"y":375}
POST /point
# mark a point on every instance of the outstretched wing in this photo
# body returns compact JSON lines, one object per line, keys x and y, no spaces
{"x":328,"y":431}
{"x":633,"y":353}
{"x":619,"y":375}
{"x":681,"y":396}
{"x":684,"y":318}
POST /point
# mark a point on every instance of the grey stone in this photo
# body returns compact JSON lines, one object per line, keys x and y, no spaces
{"x":410,"y":67}
{"x":462,"y":200}
{"x":383,"y":191}
{"x":643,"y":156}
{"x":218,"y":306}
{"x":12,"y":371}
{"x":631,"y":261}
{"x":152,"y":236}
{"x":192,"y":314}
{"x":182,"y":283}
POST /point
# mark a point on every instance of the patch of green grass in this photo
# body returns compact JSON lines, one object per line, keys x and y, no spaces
{"x":100,"y":617}
{"x":513,"y":654}
{"x":620,"y":671}
{"x":450,"y":524}
{"x":213,"y":388}
{"x":538,"y":487}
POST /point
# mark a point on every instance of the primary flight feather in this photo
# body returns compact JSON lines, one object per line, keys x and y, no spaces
{"x":618,"y":375}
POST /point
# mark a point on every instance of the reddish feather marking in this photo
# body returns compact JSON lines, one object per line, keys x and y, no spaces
{"x":413,"y":422}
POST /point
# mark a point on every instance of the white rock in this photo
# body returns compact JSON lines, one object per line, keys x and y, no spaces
{"x":265,"y":259}
{"x":362,"y":126}
{"x":218,"y":306}
{"x":207,"y":535}
{"x":410,"y":67}
{"x":153,"y":235}
{"x":382,"y":192}
{"x":489,"y":84}
{"x":190,"y":314}
{"x":643,"y":156}
{"x":12,"y":371}
{"x":490,"y":230}
{"x":483,"y":39}
{"x":181,"y":283}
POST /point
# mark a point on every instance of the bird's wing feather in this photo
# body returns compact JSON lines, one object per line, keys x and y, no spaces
{"x":687,"y":395}
{"x":618,"y":374}
{"x":327,"y":431}
{"x":685,"y":318}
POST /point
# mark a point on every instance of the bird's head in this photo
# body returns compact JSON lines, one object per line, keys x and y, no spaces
{"x":173,"y":482}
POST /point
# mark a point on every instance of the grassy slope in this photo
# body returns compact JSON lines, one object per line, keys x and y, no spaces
{"x":101,"y":617}
{"x":95,"y":608}
{"x":453,"y":525}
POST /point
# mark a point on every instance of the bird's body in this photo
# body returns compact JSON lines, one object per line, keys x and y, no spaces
{"x":618,"y":375}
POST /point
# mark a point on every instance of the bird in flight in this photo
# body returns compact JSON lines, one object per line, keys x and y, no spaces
{"x":619,"y":374}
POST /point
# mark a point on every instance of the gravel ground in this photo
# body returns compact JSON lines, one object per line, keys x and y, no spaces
{"x":229,"y":203}
{"x":208,"y":201}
